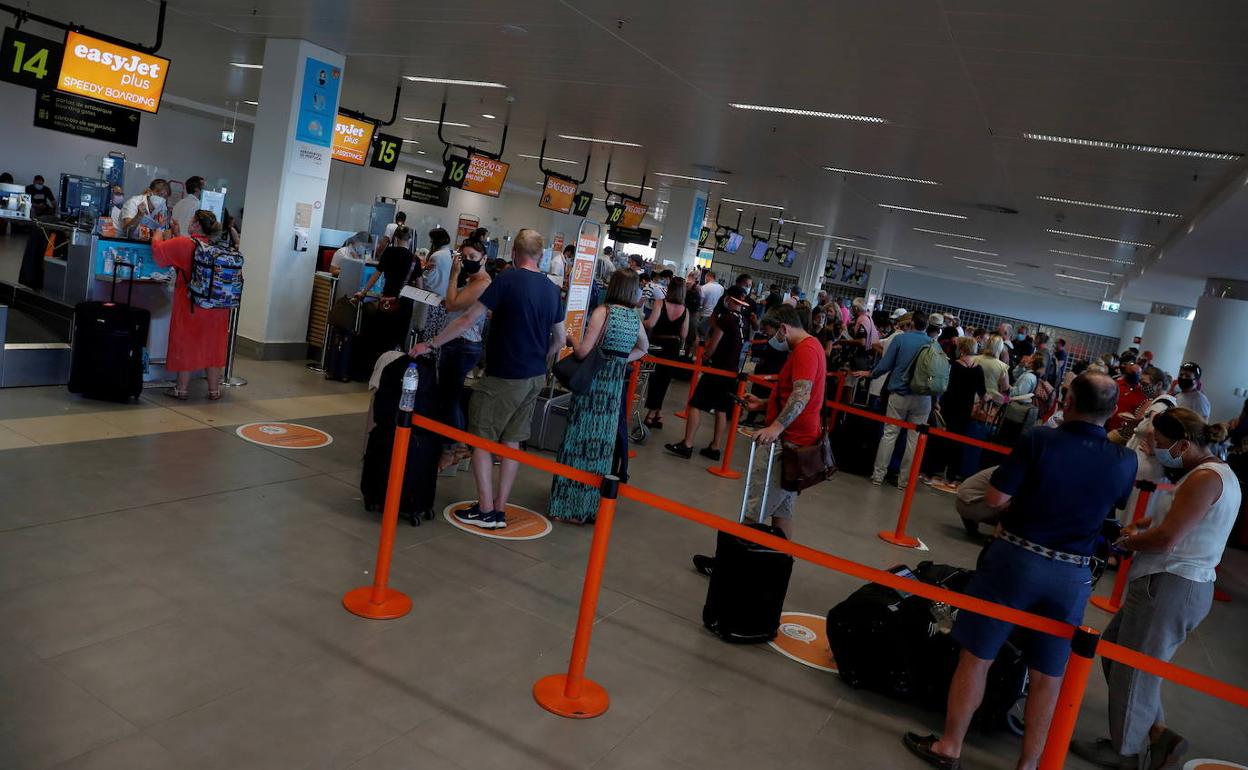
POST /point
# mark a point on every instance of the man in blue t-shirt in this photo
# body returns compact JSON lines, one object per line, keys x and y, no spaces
{"x":526,"y":331}
{"x":1059,"y":484}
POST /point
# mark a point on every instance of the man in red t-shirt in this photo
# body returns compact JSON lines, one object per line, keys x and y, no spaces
{"x":1131,"y":397}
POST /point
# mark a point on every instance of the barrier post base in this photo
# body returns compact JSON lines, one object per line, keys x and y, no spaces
{"x":724,"y":474}
{"x":395,"y":604}
{"x":1105,"y":603}
{"x":549,"y":692}
{"x":905,"y":541}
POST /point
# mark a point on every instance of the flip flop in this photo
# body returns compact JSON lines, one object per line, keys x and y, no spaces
{"x":180,"y":395}
{"x":1167,"y":752}
{"x":921,"y":747}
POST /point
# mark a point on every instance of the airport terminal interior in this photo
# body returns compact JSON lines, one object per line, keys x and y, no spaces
{"x":1061,"y":187}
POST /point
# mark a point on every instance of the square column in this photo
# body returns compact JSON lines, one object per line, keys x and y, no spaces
{"x":686,"y":210}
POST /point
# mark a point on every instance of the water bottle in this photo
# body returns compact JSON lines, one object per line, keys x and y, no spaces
{"x":411,"y":379}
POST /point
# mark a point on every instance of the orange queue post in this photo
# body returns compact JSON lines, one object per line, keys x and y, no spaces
{"x":1074,"y":684}
{"x":724,"y":471}
{"x":1114,"y":601}
{"x":693,"y":381}
{"x":898,"y":536}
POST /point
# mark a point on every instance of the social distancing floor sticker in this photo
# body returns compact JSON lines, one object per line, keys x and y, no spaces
{"x":284,"y":435}
{"x":804,"y":637}
{"x":1212,"y":764}
{"x":522,"y":523}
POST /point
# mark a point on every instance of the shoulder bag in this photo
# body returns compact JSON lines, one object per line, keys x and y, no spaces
{"x":802,"y":467}
{"x":577,"y":374}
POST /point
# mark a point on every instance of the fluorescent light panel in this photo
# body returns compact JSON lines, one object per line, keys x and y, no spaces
{"x":410,"y":141}
{"x":616,"y":142}
{"x":552,"y":160}
{"x":829,"y":237}
{"x":1109,"y":206}
{"x":245,"y":66}
{"x":751,"y":203}
{"x":1088,"y":270}
{"x":951,"y":235}
{"x":252,"y":102}
{"x":1089,"y":256}
{"x":795,"y":222}
{"x":624,"y":184}
{"x":1110,"y":145}
{"x":968,"y":251}
{"x":920,"y":211}
{"x":434,"y":122}
{"x":1081,"y":278}
{"x":454,"y":82}
{"x":1096,"y":237}
{"x":879,"y":176}
{"x":690,"y":178}
{"x":807,"y":113}
{"x":982,"y":262}
{"x":986,"y":270}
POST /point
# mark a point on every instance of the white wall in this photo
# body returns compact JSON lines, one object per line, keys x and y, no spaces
{"x":175,"y":143}
{"x":1216,"y":343}
{"x":1079,"y":315}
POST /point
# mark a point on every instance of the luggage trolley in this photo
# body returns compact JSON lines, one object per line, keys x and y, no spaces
{"x":638,"y":432}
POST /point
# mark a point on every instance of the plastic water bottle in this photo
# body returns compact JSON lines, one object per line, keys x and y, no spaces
{"x":411,"y":380}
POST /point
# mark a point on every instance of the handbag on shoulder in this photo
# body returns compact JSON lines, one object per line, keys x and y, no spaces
{"x":577,"y":374}
{"x":802,"y":467}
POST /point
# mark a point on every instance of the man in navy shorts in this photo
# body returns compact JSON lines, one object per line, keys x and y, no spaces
{"x":1059,"y":484}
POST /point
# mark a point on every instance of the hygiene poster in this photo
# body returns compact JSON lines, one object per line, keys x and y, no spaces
{"x":318,"y":111}
{"x":464,"y":228}
{"x":582,"y":277}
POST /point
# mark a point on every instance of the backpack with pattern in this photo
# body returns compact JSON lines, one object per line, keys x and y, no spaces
{"x":216,"y":279}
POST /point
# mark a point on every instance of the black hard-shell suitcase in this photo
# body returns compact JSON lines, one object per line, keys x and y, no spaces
{"x":855,"y":439}
{"x":424,"y":449}
{"x":749,"y":582}
{"x":338,"y":354}
{"x":106,"y":356}
{"x":899,"y":645}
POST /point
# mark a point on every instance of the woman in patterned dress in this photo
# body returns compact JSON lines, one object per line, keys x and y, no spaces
{"x":589,"y":440}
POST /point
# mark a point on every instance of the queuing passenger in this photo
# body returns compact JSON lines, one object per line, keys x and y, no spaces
{"x":355,"y":247}
{"x":460,"y":356}
{"x":693,"y":303}
{"x":712,"y":292}
{"x":714,"y":393}
{"x":1024,"y":345}
{"x":791,"y":299}
{"x":42,"y":201}
{"x":146,"y":212}
{"x":560,"y":264}
{"x":1048,"y":372}
{"x":198,"y":337}
{"x":1189,"y":395}
{"x":1006,"y":332}
{"x":903,"y":321}
{"x":589,"y":440}
{"x":184,"y":210}
{"x":667,"y":326}
{"x":966,"y":386}
{"x":846,"y":316}
{"x":769,"y":351}
{"x":526,"y":331}
{"x":395,"y":265}
{"x":903,"y":404}
{"x":803,"y":315}
{"x":636,"y":263}
{"x":996,"y":371}
{"x":1131,"y":397}
{"x":1062,"y":362}
{"x":384,"y":242}
{"x":1170,"y":589}
{"x":1038,"y":563}
{"x":436,"y":278}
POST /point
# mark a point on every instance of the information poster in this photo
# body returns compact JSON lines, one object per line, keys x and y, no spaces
{"x":558,"y":194}
{"x":467,"y":223}
{"x":318,"y":110}
{"x":83,"y":117}
{"x":582,"y":279}
{"x":112,"y":73}
{"x":634,"y":212}
{"x":352,"y":139}
{"x":114,"y":257}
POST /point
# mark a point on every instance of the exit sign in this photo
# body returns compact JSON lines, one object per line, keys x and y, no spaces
{"x":1110,"y":307}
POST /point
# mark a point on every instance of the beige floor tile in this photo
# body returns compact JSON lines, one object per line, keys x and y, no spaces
{"x":64,"y":429}
{"x":224,"y":413}
{"x":12,"y":440}
{"x":312,"y":406}
{"x":141,"y":422}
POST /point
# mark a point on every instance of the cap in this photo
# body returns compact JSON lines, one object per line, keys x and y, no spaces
{"x":1190,"y":366}
{"x":936,"y":319}
{"x":898,"y":313}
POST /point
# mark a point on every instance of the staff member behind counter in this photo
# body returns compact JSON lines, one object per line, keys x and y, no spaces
{"x":147,"y":212}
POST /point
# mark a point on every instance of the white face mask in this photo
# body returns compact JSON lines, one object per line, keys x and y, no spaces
{"x":1168,"y":460}
{"x":156,"y":202}
{"x":38,"y":186}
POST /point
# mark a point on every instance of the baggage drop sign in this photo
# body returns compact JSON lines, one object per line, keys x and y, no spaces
{"x":107,"y":72}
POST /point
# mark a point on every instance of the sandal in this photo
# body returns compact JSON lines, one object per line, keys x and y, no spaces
{"x":214,"y":395}
{"x":180,"y":395}
{"x":921,"y":747}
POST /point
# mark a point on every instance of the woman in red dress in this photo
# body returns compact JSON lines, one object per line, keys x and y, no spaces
{"x":198,"y":337}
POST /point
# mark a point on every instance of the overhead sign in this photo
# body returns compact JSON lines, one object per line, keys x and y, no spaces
{"x":112,"y":73}
{"x":634,"y":212}
{"x":1111,"y":307}
{"x":420,"y":190}
{"x":29,"y":60}
{"x":580,"y":204}
{"x":83,"y":117}
{"x":638,"y":235}
{"x":386,"y":151}
{"x":582,"y":278}
{"x":352,"y":138}
{"x":476,"y":173}
{"x":468,"y":223}
{"x":558,"y":194}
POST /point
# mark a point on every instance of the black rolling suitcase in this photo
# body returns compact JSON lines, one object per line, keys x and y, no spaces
{"x":855,"y":439}
{"x":424,"y":449}
{"x":106,"y":357}
{"x":344,"y":324}
{"x":899,"y":644}
{"x":749,"y":581}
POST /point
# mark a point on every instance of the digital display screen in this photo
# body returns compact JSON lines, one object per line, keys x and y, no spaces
{"x":734,"y":242}
{"x":352,"y":139}
{"x":760,"y":251}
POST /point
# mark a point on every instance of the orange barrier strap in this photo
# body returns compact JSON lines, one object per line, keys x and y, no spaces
{"x":690,"y":367}
{"x":525,"y":458}
{"x":991,"y":447}
{"x":1177,"y":674}
{"x":869,"y":414}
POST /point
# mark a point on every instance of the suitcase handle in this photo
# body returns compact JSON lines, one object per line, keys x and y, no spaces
{"x":749,"y":473}
{"x":112,"y":291}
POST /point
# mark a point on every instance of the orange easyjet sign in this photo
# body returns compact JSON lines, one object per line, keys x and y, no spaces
{"x":112,"y":73}
{"x":352,"y":138}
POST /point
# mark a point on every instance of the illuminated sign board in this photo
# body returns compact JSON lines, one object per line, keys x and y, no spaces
{"x":352,"y":139}
{"x":112,"y":73}
{"x":634,"y":212}
{"x":1111,"y":307}
{"x":558,"y":194}
{"x":476,"y":173}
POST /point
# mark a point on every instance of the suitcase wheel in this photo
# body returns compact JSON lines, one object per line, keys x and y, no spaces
{"x":428,"y":515}
{"x":1014,"y":719}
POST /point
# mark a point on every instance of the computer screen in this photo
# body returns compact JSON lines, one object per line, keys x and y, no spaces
{"x":760,"y":250}
{"x":80,"y":193}
{"x":734,"y":242}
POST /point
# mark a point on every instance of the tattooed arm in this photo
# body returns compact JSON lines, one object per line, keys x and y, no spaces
{"x":798,"y":400}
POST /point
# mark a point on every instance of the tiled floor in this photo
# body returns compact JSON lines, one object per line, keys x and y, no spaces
{"x":170,"y":597}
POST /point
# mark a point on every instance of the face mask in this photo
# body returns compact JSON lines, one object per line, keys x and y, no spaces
{"x":118,"y":200}
{"x":359,"y":248}
{"x":156,"y":202}
{"x":1166,"y":458}
{"x":779,"y":343}
{"x":1152,"y":390}
{"x":39,"y":187}
{"x":1186,"y":384}
{"x":469,"y":267}
{"x":1131,"y":378}
{"x":1022,"y":337}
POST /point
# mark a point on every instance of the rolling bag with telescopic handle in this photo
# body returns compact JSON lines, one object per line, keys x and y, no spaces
{"x":749,"y":581}
{"x":106,"y":354}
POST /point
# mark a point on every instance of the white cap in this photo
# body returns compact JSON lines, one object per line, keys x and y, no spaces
{"x":898,"y":313}
{"x":936,"y":319}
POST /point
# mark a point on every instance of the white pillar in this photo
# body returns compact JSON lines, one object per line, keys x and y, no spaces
{"x":1166,"y":336}
{"x":813,"y":260}
{"x":1132,"y":327}
{"x":682,"y":224}
{"x":286,"y":183}
{"x":1216,"y":343}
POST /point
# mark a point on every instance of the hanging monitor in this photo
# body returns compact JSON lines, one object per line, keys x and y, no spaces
{"x":352,"y":139}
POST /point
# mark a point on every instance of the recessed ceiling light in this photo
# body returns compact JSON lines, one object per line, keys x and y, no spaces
{"x":740,"y":209}
{"x":750,"y":203}
{"x":951,"y":235}
{"x":624,"y":184}
{"x":1096,"y":237}
{"x":1080,"y":278}
{"x":252,"y":102}
{"x":487,"y":116}
{"x":879,"y":176}
{"x":968,"y":251}
{"x":690,"y":178}
{"x":808,"y":113}
{"x":986,"y":270}
{"x":246,"y":66}
{"x":421,"y":152}
{"x":794,"y":222}
{"x":1110,"y":206}
{"x":434,"y":122}
{"x":1089,"y":256}
{"x":550,"y":159}
{"x":881,"y":256}
{"x":920,"y":211}
{"x":410,"y":141}
{"x":981,"y":262}
{"x":598,"y":141}
{"x":1109,"y":145}
{"x":428,"y":171}
{"x":846,"y":238}
{"x":453,"y":82}
{"x":1088,"y":270}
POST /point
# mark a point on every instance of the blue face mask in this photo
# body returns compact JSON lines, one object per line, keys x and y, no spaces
{"x":779,"y":343}
{"x":1168,"y":460}
{"x":1022,"y":337}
